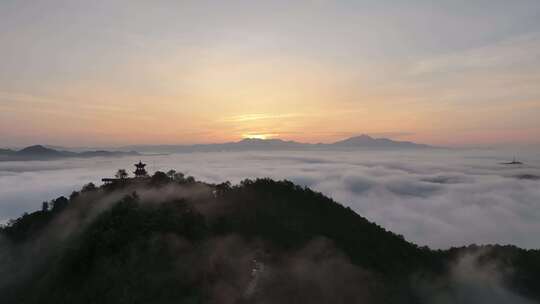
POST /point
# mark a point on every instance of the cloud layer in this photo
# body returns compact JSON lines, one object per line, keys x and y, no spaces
{"x":434,"y":198}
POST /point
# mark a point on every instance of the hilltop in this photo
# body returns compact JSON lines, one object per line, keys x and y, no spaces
{"x":169,"y":238}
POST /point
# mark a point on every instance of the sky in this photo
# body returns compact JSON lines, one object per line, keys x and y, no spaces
{"x":110,"y":73}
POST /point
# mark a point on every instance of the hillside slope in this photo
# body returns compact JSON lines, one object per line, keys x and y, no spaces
{"x":165,"y":240}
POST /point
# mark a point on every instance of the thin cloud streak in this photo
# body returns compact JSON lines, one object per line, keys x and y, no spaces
{"x":506,"y":53}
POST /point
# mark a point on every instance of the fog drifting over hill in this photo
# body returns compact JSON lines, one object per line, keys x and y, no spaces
{"x":435,"y":198}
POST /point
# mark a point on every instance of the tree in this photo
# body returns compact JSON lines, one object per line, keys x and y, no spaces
{"x":160,"y":178}
{"x":121,"y":174}
{"x":45,"y":207}
{"x":222,"y":188}
{"x":171,"y":173}
{"x":74,"y":195}
{"x":59,"y":204}
{"x":179,"y":177}
{"x":89,"y":187}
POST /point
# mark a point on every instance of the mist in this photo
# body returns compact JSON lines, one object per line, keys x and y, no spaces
{"x":438,"y":198}
{"x":471,"y":278}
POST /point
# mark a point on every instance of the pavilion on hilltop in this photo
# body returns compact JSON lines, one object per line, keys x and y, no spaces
{"x":140,"y":172}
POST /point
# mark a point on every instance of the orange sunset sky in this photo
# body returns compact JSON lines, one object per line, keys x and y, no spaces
{"x":105,"y":73}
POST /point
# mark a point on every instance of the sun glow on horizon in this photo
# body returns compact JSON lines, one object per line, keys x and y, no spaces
{"x":259,"y":136}
{"x":307,"y":72}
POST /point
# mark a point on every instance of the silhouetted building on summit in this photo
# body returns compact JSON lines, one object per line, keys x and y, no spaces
{"x":121,"y":176}
{"x":140,"y":171}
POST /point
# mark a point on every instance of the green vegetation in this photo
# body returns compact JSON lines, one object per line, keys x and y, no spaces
{"x":171,"y":239}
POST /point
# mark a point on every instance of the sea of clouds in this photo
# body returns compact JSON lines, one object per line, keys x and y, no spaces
{"x":439,"y":198}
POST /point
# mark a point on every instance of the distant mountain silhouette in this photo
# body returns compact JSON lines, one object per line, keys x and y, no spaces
{"x":370,"y":142}
{"x":251,"y":144}
{"x":6,"y":151}
{"x":362,"y":142}
{"x":39,"y":152}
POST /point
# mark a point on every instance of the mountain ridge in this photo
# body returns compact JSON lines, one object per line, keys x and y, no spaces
{"x":42,"y":152}
{"x":253,"y":144}
{"x":247,"y":144}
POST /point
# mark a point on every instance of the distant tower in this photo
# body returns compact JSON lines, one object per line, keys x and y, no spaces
{"x":140,"y":171}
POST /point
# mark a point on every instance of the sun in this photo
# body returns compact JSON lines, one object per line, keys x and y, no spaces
{"x":254,"y":136}
{"x":258,"y":136}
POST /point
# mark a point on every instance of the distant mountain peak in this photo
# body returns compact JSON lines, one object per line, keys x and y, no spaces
{"x":41,"y":152}
{"x":37,"y":149}
{"x":367,"y":141}
{"x":362,"y":136}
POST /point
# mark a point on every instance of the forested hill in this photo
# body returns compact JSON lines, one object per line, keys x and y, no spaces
{"x":171,"y":239}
